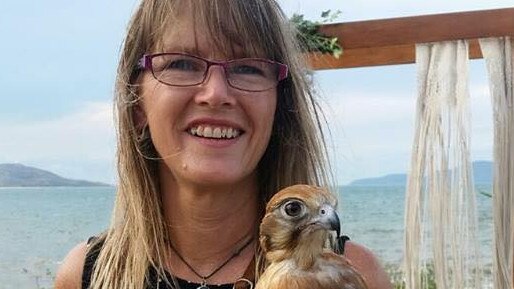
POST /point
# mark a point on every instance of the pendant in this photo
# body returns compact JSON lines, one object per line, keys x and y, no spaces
{"x":203,"y":285}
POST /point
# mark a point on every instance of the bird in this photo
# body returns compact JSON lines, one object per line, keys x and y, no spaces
{"x":295,"y":235}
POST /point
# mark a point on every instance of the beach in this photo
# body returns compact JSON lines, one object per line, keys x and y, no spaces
{"x":40,"y":225}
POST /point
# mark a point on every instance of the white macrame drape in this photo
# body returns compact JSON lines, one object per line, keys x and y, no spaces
{"x":498,"y":55}
{"x":440,"y":219}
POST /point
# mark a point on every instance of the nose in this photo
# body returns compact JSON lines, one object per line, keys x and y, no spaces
{"x":215,"y":92}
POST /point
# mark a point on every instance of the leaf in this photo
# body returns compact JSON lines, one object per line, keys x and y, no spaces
{"x":296,"y":18}
{"x":337,"y":52}
{"x":309,"y":37}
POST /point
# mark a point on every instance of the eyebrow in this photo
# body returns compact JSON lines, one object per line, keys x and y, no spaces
{"x":181,"y":49}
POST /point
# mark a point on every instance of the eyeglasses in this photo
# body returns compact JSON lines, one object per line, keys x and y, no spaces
{"x":248,"y":74}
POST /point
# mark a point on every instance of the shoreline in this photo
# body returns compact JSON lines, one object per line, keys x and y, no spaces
{"x":42,"y":224}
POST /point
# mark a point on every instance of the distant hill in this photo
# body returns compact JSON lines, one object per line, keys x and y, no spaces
{"x":482,"y":174}
{"x":18,"y":175}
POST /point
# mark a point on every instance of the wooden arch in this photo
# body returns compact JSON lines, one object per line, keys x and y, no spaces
{"x":392,"y":41}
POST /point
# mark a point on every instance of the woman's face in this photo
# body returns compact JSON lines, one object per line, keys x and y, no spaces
{"x":173,"y":112}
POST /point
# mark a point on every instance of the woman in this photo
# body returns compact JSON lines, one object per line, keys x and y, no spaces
{"x":214,"y":115}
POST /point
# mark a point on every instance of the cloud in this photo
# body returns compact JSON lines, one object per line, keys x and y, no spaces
{"x":78,"y":145}
{"x":371,"y":133}
{"x":372,"y":128}
{"x":358,"y":110}
{"x":354,"y":10}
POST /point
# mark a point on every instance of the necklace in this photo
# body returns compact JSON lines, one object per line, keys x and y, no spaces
{"x":203,"y":285}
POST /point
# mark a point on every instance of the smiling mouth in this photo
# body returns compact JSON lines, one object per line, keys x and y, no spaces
{"x":214,"y":132}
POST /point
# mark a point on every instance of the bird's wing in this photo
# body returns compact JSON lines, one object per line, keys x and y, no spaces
{"x":346,"y":273}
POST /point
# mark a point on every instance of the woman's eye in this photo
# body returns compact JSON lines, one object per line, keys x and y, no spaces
{"x":182,"y":64}
{"x":293,"y":208}
{"x":247,"y":69}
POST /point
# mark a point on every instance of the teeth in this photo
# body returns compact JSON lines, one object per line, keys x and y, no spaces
{"x":217,"y":132}
{"x":214,"y":132}
{"x":207,"y":131}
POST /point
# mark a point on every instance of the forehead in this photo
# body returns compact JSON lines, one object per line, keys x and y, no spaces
{"x":205,"y":36}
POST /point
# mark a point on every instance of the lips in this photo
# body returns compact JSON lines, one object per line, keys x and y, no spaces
{"x":214,"y":132}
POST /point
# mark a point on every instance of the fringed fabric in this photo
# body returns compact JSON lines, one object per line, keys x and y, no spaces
{"x":498,"y":55}
{"x":440,"y":218}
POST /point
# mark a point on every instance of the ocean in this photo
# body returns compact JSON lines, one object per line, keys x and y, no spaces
{"x":38,"y":226}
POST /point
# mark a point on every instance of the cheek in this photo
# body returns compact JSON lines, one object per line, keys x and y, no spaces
{"x":162,"y":110}
{"x":263,"y":120}
{"x":261,"y":114}
{"x":160,"y":102}
{"x":267,"y":120}
{"x":266,"y":116}
{"x":269,"y":116}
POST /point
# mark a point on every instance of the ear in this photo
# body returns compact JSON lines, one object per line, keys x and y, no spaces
{"x":139,"y":116}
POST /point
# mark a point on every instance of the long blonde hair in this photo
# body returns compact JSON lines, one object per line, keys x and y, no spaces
{"x":136,"y":239}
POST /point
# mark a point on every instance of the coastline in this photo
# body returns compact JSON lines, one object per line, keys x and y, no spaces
{"x":42,"y":224}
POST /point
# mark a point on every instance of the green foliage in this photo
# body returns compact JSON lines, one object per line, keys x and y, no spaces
{"x":313,"y":41}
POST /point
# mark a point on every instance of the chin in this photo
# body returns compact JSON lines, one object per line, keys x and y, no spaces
{"x":212,"y":173}
{"x":220,"y":177}
{"x":216,"y":179}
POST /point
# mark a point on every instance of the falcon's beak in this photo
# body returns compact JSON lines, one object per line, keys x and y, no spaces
{"x":328,"y":217}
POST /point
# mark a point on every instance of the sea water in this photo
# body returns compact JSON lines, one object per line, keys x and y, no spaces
{"x":374,"y":216}
{"x":38,"y":226}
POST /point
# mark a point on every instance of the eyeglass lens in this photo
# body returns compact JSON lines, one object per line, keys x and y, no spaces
{"x":245,"y":74}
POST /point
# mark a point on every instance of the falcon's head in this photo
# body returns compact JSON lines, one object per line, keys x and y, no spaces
{"x":297,"y":222}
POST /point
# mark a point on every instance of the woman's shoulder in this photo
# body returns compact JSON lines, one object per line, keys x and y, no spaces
{"x":69,"y":275}
{"x":368,"y":265}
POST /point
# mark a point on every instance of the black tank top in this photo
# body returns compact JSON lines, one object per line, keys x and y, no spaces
{"x":153,"y":282}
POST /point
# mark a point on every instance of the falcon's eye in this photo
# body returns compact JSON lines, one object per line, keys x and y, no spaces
{"x":293,"y":208}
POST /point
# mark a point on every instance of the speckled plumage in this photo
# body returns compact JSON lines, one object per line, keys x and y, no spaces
{"x":295,"y":245}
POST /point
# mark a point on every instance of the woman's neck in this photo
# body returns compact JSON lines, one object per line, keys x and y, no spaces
{"x":207,"y":225}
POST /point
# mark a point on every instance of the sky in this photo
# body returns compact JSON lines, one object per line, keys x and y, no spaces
{"x":58,"y":67}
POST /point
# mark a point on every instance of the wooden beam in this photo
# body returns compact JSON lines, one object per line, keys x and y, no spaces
{"x":376,"y":56}
{"x":392,"y":41}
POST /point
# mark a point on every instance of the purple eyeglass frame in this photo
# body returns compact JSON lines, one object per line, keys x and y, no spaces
{"x":145,"y":63}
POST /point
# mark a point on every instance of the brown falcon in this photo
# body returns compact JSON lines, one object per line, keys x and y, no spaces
{"x":294,"y":234}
